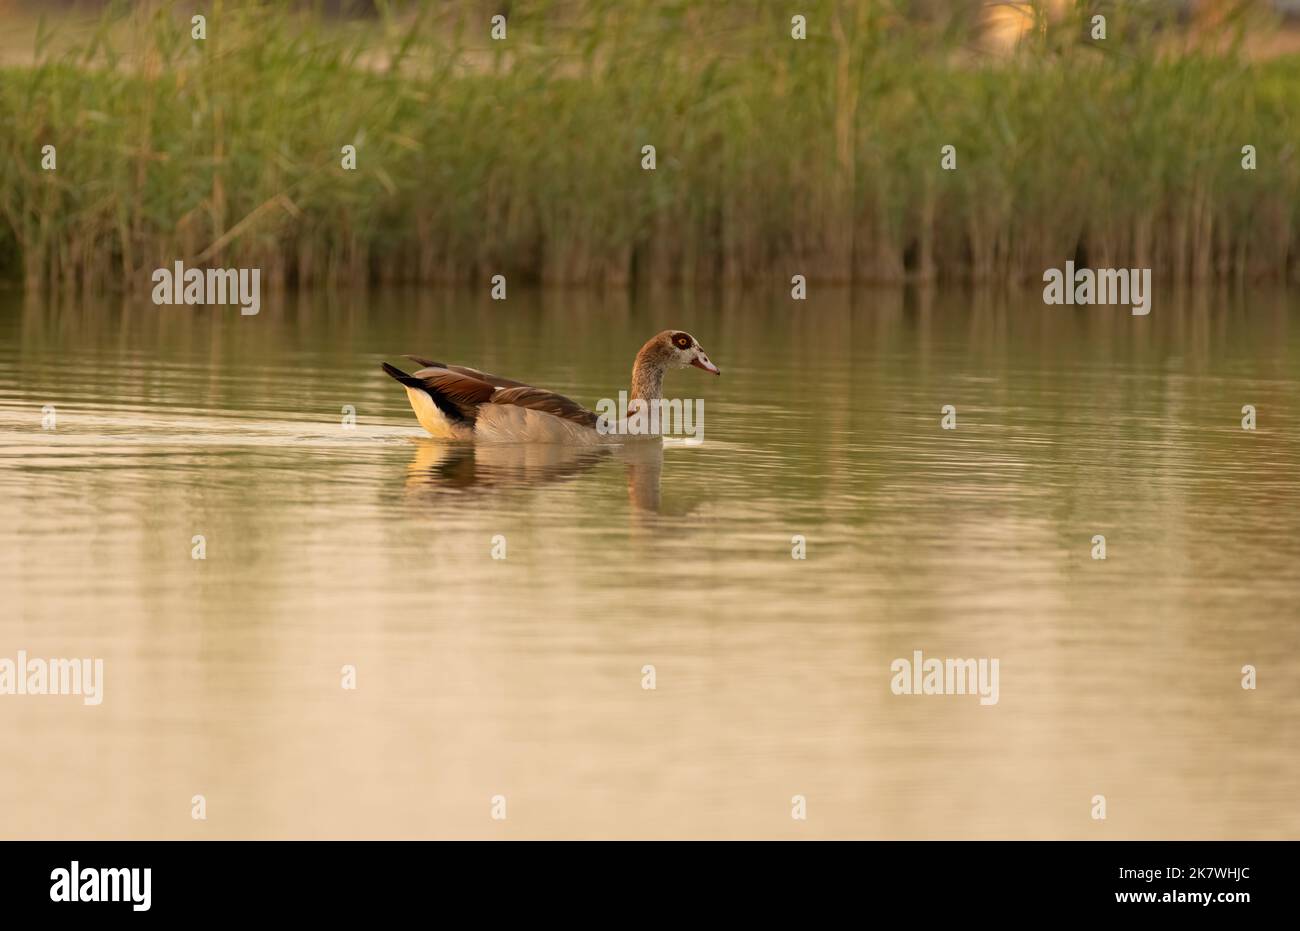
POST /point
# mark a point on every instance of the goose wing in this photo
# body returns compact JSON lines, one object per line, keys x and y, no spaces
{"x":548,"y":402}
{"x":457,"y":395}
{"x":494,"y":380}
{"x":459,"y":392}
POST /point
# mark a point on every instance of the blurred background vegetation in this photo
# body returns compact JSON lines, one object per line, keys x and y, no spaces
{"x":523,"y":157}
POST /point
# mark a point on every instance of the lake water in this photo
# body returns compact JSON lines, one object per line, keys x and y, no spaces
{"x":522,"y":677}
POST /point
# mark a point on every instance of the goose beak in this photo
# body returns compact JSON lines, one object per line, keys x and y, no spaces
{"x":701,"y":361}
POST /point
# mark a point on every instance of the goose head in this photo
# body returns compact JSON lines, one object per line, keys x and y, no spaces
{"x":671,"y":349}
{"x":684,"y":350}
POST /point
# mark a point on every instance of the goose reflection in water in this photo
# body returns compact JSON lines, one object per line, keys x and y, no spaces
{"x":439,"y":467}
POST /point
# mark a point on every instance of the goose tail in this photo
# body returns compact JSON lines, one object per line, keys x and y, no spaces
{"x":444,"y":414}
{"x":409,"y":381}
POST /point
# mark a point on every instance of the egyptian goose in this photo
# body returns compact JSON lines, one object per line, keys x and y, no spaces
{"x":458,"y":403}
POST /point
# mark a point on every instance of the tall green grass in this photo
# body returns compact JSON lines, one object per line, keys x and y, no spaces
{"x":775,"y":156}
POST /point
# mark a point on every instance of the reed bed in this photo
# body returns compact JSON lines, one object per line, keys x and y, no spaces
{"x":775,"y":157}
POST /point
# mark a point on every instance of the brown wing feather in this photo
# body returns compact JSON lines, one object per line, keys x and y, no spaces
{"x":495,"y":380}
{"x":463,"y":392}
{"x":539,"y":399}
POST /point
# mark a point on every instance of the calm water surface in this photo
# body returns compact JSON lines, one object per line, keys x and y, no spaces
{"x":522,"y":677}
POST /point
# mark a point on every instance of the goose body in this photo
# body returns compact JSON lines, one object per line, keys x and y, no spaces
{"x":455,"y":402}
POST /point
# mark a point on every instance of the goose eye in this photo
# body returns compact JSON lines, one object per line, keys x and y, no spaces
{"x":683,"y":342}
